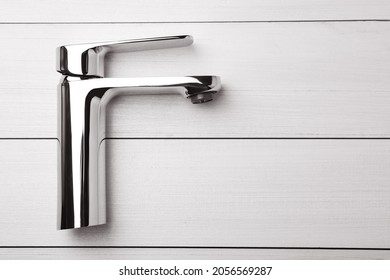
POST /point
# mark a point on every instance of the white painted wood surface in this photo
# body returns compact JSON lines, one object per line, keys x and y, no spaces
{"x":239,"y":193}
{"x":282,"y":77}
{"x":189,"y":254}
{"x":190,"y":10}
{"x":328,"y":79}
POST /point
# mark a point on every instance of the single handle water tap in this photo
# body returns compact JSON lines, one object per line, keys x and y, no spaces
{"x":83,"y":94}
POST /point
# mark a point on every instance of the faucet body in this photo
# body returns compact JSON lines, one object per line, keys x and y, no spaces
{"x":83,"y":95}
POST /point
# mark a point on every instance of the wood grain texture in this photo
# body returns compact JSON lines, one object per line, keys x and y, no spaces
{"x":189,"y":254}
{"x":281,"y":79}
{"x":256,"y":193}
{"x":324,"y":79}
{"x":189,"y":10}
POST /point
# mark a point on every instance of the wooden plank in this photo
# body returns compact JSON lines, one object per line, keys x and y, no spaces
{"x":280,"y":79}
{"x":189,"y":254}
{"x":256,"y":193}
{"x":188,"y":10}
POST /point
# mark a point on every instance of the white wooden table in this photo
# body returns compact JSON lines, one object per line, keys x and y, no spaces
{"x":291,"y":161}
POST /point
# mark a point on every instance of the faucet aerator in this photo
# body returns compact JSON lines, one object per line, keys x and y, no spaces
{"x":200,"y":98}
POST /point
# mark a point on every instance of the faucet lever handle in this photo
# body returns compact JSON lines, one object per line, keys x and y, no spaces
{"x":87,"y":60}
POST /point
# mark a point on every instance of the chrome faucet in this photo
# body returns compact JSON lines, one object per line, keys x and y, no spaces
{"x":83,"y":94}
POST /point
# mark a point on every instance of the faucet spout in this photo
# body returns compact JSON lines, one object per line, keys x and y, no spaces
{"x":81,"y":150}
